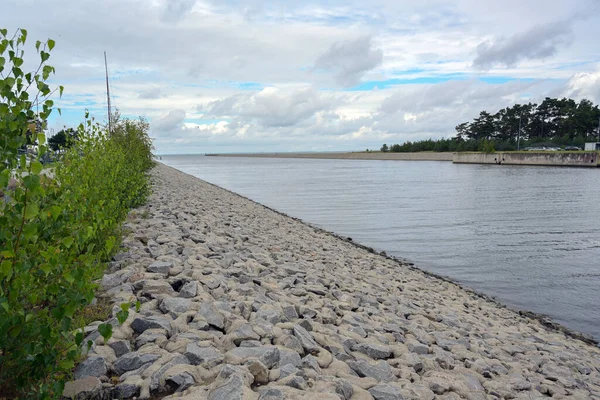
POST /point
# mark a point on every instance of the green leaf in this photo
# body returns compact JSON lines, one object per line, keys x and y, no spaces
{"x":7,"y":254}
{"x":110,"y":243}
{"x":46,"y":268}
{"x":4,"y":32}
{"x":36,"y":167}
{"x":51,"y":44}
{"x":138,"y":305}
{"x":31,"y":211}
{"x":105,"y":330}
{"x":41,"y":138}
{"x":122,"y":316}
{"x":4,"y":303}
{"x":79,"y":338}
{"x":45,"y":56}
{"x":70,"y":309}
{"x":60,"y":90}
{"x":66,"y":364}
{"x":37,"y":45}
{"x":68,"y":277}
{"x":15,"y":331}
{"x":46,"y":71}
{"x":68,"y":242}
{"x":6,"y":268}
{"x":55,"y":211}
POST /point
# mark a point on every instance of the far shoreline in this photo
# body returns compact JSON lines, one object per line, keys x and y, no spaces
{"x":362,"y":155}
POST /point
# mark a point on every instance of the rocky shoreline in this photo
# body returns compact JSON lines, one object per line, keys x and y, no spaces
{"x":241,"y":302}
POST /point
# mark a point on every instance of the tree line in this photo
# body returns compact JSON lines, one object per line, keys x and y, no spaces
{"x":554,"y":122}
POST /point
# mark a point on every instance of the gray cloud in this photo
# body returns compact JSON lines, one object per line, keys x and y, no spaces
{"x":349,"y":60}
{"x":539,"y":42}
{"x":169,"y":122}
{"x":176,"y":10}
{"x":152,"y":93}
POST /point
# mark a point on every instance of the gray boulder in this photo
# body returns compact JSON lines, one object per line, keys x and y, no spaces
{"x":189,"y":290}
{"x":289,"y":357}
{"x":141,"y":323}
{"x":380,"y":370}
{"x":160,"y":267}
{"x":198,"y":355}
{"x":92,"y":366}
{"x":269,"y":355}
{"x":375,"y":351}
{"x":231,"y":389}
{"x":175,"y":305}
{"x":131,"y":361}
{"x":82,"y":387}
{"x":306,"y":340}
{"x":125,"y":391}
{"x":211,"y":315}
{"x":120,"y":347}
{"x":180,"y":382}
{"x":156,"y":377}
{"x":385,"y":392}
{"x":271,"y":394}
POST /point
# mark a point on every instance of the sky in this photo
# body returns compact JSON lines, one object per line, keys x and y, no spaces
{"x":315,"y":75}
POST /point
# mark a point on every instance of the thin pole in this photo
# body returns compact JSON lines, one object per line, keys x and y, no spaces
{"x":107,"y":94}
{"x":519,"y":134}
{"x":599,"y":129}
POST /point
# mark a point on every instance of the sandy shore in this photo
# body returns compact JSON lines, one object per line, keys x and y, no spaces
{"x":242,"y":302}
{"x":424,"y":156}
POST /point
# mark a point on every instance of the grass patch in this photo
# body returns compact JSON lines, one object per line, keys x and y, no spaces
{"x":101,"y":311}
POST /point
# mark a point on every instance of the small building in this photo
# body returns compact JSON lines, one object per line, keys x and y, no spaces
{"x":592,"y":146}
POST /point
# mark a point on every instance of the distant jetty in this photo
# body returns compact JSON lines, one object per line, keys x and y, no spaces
{"x":587,"y":159}
{"x":359,"y":155}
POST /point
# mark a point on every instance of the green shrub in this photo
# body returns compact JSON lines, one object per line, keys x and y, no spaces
{"x":55,"y":232}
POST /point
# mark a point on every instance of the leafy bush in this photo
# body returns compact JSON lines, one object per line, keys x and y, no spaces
{"x":56,"y":229}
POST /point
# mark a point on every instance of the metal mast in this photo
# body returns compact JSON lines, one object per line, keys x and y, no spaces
{"x":107,"y":94}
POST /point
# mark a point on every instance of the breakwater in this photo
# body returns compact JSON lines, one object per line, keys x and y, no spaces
{"x":544,"y":158}
{"x":371,"y":155}
{"x":241,"y":302}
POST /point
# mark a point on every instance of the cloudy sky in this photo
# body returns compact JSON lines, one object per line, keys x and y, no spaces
{"x":312,"y":75}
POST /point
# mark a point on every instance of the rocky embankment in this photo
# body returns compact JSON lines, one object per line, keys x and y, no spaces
{"x":241,"y":302}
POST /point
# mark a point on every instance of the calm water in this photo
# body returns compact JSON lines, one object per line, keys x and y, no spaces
{"x":529,"y":236}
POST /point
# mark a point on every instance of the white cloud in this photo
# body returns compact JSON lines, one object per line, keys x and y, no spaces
{"x":349,"y":60}
{"x":584,"y":85}
{"x":272,"y":107}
